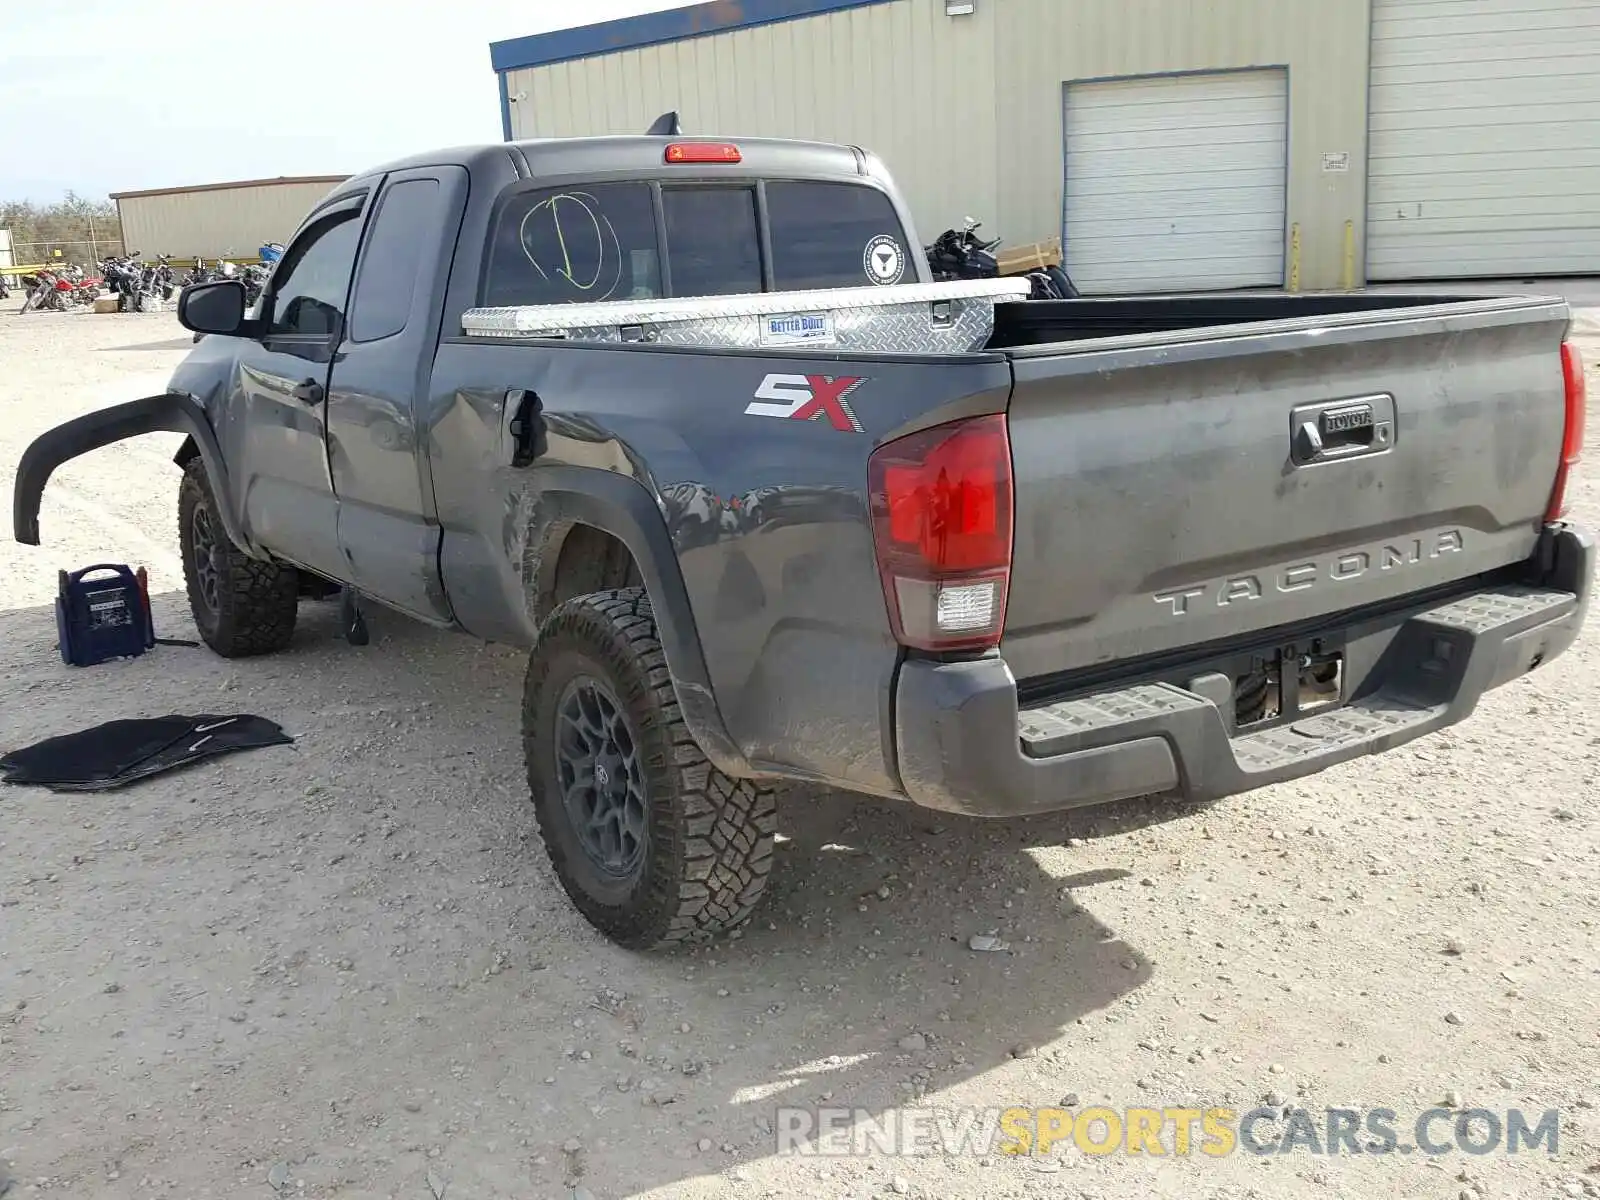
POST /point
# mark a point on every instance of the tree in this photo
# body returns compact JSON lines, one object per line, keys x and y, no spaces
{"x":80,"y":228}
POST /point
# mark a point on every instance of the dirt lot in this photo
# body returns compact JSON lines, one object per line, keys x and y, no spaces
{"x":344,"y":969}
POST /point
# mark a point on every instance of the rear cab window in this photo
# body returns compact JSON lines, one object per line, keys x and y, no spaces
{"x":577,"y":245}
{"x":829,"y":235}
{"x":713,"y":240}
{"x":638,"y":241}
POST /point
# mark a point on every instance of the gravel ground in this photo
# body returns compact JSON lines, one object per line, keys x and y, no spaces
{"x":344,"y":969}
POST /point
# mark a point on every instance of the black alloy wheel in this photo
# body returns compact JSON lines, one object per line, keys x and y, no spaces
{"x":601,"y":778}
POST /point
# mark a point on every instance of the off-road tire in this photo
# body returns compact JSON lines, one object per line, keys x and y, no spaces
{"x":707,"y":850}
{"x":256,"y":600}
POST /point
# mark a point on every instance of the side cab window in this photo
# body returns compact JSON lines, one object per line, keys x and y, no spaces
{"x":405,"y":228}
{"x":311,"y":286}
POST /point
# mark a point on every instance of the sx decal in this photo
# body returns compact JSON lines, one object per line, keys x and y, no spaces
{"x":808,"y":398}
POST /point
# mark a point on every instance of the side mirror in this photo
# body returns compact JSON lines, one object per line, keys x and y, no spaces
{"x":214,"y":307}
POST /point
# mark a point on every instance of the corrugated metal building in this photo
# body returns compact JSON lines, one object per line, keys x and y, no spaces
{"x":215,"y":220}
{"x":1171,"y":144}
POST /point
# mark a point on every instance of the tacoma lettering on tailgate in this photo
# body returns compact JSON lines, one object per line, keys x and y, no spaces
{"x":1312,"y":573}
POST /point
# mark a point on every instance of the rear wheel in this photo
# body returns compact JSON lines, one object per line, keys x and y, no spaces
{"x":651,"y":841}
{"x":242,"y":606}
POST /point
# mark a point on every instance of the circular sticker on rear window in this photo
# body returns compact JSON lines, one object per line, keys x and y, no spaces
{"x":883,"y":260}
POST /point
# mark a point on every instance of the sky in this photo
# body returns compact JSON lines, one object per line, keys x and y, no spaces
{"x":101,"y":96}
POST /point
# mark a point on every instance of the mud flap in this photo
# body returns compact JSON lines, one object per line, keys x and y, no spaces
{"x":170,"y":412}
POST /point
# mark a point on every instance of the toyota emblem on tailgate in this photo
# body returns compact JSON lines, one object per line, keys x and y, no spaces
{"x":1343,"y":420}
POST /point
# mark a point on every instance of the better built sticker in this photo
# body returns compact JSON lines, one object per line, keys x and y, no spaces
{"x":883,"y":260}
{"x":797,"y":329}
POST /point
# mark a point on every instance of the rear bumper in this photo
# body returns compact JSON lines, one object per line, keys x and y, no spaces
{"x":964,"y":746}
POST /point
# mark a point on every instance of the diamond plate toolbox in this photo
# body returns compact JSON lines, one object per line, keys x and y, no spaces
{"x":920,"y":318}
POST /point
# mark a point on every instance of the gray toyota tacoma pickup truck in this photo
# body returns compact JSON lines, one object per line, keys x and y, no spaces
{"x":688,"y":420}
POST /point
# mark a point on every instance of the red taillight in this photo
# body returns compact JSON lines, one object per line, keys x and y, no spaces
{"x":941,"y":522}
{"x":703,"y":152}
{"x":1572,"y":439}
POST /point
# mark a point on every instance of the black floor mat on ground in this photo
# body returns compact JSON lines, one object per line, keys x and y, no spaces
{"x":120,"y":752}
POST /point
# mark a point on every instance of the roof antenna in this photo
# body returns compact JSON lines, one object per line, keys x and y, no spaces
{"x":666,"y":125}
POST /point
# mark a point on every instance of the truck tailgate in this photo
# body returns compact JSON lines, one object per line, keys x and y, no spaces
{"x":1174,"y":490}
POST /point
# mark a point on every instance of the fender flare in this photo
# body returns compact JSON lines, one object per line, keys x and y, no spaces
{"x":171,"y":412}
{"x":627,"y":510}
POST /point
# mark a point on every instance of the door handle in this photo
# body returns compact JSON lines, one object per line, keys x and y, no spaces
{"x":1312,"y":444}
{"x":523,"y":418}
{"x":308,"y":392}
{"x":1333,"y":430}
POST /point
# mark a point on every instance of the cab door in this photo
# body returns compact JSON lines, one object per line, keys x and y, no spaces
{"x":276,"y":439}
{"x":388,"y":525}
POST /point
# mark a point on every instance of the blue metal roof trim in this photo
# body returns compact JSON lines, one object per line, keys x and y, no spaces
{"x":505,"y":108}
{"x":651,"y":29}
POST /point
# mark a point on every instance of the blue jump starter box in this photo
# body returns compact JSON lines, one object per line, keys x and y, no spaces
{"x":103,"y":612}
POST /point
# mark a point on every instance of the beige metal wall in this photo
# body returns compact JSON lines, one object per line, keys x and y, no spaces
{"x":967,"y":111}
{"x":213,"y":222}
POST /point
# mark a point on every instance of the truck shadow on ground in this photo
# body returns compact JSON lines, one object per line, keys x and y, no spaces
{"x":380,"y":890}
{"x":186,"y":342}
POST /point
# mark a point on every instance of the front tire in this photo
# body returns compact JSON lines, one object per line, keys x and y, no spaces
{"x":651,"y":841}
{"x":242,"y":606}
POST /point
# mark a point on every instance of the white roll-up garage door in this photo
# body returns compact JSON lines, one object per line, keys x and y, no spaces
{"x":1484,"y":157}
{"x":1176,"y":183}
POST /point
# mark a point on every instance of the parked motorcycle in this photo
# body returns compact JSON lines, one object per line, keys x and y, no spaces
{"x":962,"y":254}
{"x":254,"y":277}
{"x":40,"y":292}
{"x":139,"y":286}
{"x":122,"y":273}
{"x":159,"y":279}
{"x":48,"y":290}
{"x":86,"y":288}
{"x":203,"y":272}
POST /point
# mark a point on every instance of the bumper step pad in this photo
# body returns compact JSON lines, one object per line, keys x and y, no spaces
{"x":1065,"y":726}
{"x":1484,"y":611}
{"x":1364,"y":721}
{"x":1419,"y":690}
